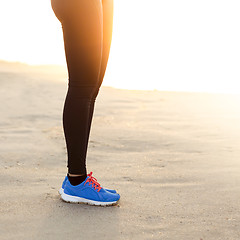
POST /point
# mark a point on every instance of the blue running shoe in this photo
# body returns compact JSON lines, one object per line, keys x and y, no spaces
{"x":63,"y":184}
{"x":65,"y":179}
{"x":89,"y":192}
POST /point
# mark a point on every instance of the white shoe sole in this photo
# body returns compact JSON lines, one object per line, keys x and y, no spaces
{"x":73,"y":199}
{"x":60,"y":191}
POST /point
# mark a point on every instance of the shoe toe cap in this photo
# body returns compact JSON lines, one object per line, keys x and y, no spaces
{"x":112,"y":197}
{"x":111,"y":190}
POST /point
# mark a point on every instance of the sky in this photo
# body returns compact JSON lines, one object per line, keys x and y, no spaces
{"x":168,"y":45}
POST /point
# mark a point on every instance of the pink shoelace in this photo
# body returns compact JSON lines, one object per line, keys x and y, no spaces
{"x":93,"y":181}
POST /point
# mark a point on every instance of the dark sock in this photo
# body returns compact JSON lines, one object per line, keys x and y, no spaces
{"x":76,"y":180}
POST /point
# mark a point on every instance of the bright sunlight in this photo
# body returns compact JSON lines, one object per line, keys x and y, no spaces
{"x":165,"y":45}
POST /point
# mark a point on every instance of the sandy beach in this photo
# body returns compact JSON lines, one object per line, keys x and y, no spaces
{"x":174,"y":157}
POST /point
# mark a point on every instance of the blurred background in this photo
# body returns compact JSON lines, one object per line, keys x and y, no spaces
{"x":170,"y":147}
{"x":164,"y":45}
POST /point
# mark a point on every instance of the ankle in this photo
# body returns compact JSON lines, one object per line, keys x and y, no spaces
{"x":75,"y":175}
{"x":77,"y":179}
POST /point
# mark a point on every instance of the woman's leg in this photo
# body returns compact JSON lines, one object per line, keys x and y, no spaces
{"x":107,"y":6}
{"x":82,"y":23}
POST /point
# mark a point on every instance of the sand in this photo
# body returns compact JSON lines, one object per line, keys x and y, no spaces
{"x":173,"y":157}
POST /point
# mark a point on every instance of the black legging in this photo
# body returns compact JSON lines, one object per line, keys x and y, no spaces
{"x":87,"y":32}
